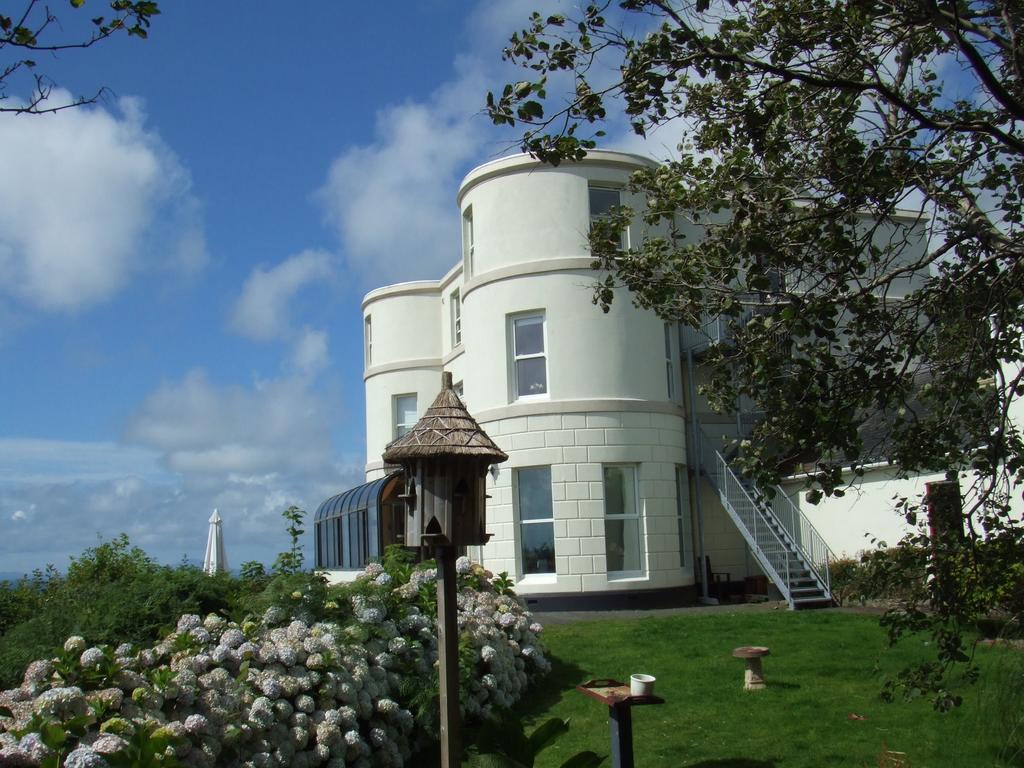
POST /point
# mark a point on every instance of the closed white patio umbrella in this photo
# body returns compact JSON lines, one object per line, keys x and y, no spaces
{"x":216,"y":560}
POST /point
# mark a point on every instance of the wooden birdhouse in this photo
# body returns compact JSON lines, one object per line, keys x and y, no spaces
{"x":445,"y":458}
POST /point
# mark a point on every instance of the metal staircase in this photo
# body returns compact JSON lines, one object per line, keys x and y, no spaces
{"x":788,"y":548}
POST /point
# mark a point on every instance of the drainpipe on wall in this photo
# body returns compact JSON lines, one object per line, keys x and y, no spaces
{"x":693,"y":456}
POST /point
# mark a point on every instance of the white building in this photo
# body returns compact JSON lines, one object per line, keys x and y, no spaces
{"x":600,"y":497}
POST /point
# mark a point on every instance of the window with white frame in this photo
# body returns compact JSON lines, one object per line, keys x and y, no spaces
{"x":405,"y":414}
{"x":621,"y":520}
{"x":368,"y":340}
{"x":683,"y":517}
{"x":536,"y":520}
{"x":467,"y":242}
{"x":603,"y":200}
{"x":670,"y":378}
{"x":459,"y":390}
{"x":456,"y":305}
{"x":529,"y":363}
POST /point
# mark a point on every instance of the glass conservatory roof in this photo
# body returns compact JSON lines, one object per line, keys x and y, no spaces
{"x":364,"y":496}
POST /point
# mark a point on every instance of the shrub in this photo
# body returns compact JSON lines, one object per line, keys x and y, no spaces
{"x":884,"y":575}
{"x":337,"y":676}
{"x":112,"y":593}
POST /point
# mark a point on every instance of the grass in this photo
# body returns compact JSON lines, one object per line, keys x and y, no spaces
{"x":821,"y":706}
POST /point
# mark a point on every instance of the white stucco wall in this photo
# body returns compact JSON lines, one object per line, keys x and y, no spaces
{"x":405,"y":359}
{"x":576,"y":446}
{"x":607,"y":400}
{"x":865,"y":514}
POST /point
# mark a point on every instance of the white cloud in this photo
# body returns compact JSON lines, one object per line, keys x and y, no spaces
{"x":26,"y":460}
{"x":79,"y":191}
{"x":261,"y":312}
{"x":248,"y":451}
{"x":391,"y":201}
{"x":168,"y":520}
{"x":277,"y":426}
{"x":310,"y":354}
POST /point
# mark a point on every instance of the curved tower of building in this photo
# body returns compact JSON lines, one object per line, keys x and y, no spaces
{"x":587,"y":405}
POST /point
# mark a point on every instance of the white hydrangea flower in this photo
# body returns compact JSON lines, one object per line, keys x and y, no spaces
{"x":75,"y":644}
{"x":232,"y":637}
{"x":32,"y":745}
{"x":38,"y":672}
{"x":463,"y":565}
{"x":109,"y":743}
{"x":201,"y":635}
{"x":387,"y":706}
{"x":297,"y":631}
{"x":287,"y":655}
{"x":352,"y":738}
{"x":63,"y":703}
{"x":188,"y":622}
{"x":214,"y":624}
{"x":84,"y":757}
{"x":274,"y":615}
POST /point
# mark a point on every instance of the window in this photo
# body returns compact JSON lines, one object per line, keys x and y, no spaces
{"x":683,"y":518}
{"x":669,"y":371}
{"x":405,"y":414}
{"x":456,"y":318}
{"x":602,"y":201}
{"x":368,"y":340}
{"x":536,"y":520}
{"x":529,"y":364}
{"x":622,"y":520}
{"x":459,"y":390}
{"x":467,"y":242}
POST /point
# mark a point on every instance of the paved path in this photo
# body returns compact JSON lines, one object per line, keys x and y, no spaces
{"x":551,"y":618}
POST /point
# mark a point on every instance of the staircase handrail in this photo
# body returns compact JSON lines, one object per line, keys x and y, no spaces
{"x":816,"y":552}
{"x":803,"y":535}
{"x":757,"y":528}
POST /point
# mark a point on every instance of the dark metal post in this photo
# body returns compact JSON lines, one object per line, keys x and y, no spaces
{"x":621,"y":722}
{"x":448,"y":658}
{"x":946,"y":531}
{"x":694,"y":457}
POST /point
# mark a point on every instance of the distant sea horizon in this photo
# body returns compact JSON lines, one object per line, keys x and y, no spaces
{"x":15,"y":575}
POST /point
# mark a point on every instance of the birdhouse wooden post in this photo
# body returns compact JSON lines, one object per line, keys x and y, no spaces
{"x":445,"y":458}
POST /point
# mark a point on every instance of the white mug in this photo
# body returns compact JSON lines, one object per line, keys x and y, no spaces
{"x":641,"y":685}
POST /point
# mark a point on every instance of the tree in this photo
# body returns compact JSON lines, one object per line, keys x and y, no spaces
{"x":846,"y":194}
{"x":35,"y":30}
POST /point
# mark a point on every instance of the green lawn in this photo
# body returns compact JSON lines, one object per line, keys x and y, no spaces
{"x":824,"y":674}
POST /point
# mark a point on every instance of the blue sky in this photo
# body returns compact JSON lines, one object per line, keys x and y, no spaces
{"x":181,"y":265}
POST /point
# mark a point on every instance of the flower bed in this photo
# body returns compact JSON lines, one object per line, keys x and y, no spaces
{"x":349,"y":682}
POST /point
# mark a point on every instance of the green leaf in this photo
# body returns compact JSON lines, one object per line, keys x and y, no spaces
{"x":6,"y":712}
{"x":53,"y":735}
{"x":77,"y":3}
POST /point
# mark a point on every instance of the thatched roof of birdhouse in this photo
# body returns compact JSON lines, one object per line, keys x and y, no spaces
{"x":446,"y":429}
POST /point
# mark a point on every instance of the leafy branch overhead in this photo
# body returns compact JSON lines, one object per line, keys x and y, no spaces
{"x":36,"y":30}
{"x":845,"y":193}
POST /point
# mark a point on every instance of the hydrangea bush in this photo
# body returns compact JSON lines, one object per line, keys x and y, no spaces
{"x":339,"y":677}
